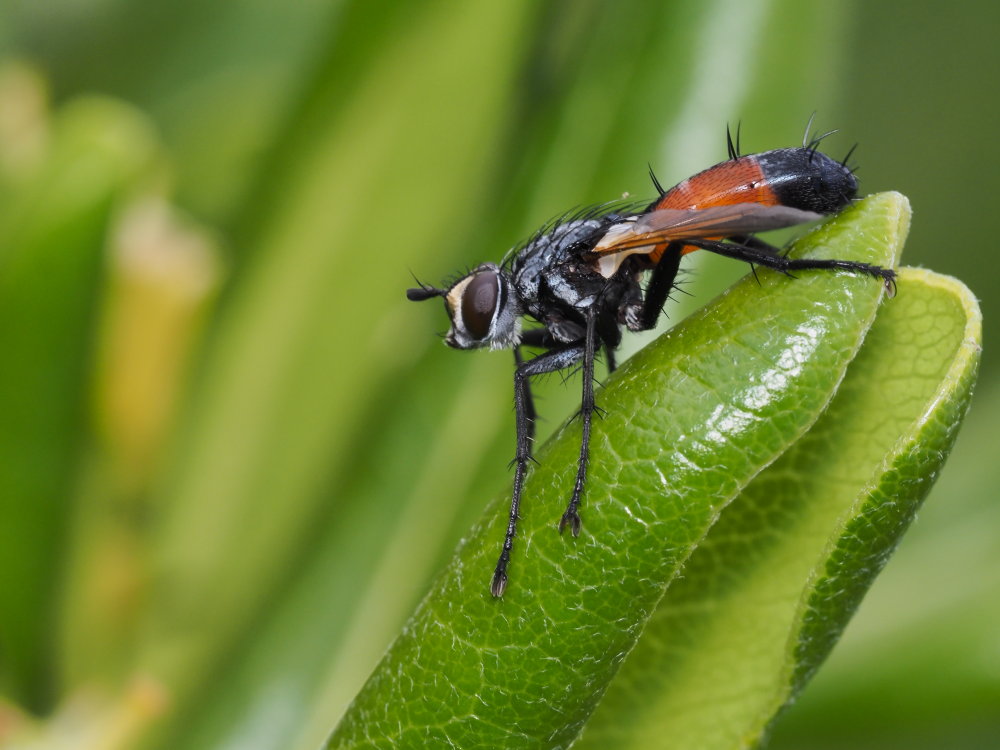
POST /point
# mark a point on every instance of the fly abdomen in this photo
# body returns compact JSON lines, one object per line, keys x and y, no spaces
{"x":806,"y":179}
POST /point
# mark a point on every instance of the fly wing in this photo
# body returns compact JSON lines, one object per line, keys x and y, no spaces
{"x":643,"y":233}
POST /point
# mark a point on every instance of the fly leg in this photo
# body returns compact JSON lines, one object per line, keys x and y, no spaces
{"x":542,"y":339}
{"x":524,"y":413}
{"x":609,"y":334}
{"x":539,"y":338}
{"x":609,"y":355}
{"x":762,"y":257}
{"x":529,"y":403}
{"x":571,"y":516}
{"x":748,"y":240}
{"x":658,"y":289}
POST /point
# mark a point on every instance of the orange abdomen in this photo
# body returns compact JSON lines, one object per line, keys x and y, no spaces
{"x":735,"y":181}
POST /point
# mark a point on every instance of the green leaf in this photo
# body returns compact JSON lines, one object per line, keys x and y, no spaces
{"x":690,"y":422}
{"x":932,"y":650}
{"x":768,"y":592}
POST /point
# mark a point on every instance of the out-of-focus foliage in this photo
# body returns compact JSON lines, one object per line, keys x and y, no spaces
{"x":233,"y":456}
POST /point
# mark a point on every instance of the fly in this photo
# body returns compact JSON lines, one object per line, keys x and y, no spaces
{"x":580,"y":279}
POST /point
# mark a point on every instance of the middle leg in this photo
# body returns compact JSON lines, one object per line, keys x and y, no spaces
{"x":571,"y":516}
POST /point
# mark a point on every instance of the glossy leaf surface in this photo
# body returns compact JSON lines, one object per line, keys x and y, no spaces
{"x":767,"y":593}
{"x":691,"y":421}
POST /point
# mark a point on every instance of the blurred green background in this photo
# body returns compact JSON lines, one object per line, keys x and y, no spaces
{"x":233,"y":455}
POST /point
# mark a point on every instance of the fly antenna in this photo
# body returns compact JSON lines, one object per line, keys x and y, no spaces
{"x":424,"y":291}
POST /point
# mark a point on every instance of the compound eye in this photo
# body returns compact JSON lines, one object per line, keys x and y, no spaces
{"x":479,"y":304}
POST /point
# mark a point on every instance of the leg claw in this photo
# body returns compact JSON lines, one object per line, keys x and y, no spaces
{"x":499,"y":584}
{"x":572,"y":519}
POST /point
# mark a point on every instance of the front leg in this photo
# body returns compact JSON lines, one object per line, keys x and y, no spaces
{"x":529,"y":403}
{"x":557,"y":359}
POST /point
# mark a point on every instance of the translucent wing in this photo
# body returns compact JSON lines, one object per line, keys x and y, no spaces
{"x":642,"y":234}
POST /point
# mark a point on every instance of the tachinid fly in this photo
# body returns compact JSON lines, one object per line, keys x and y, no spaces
{"x":580,"y":278}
